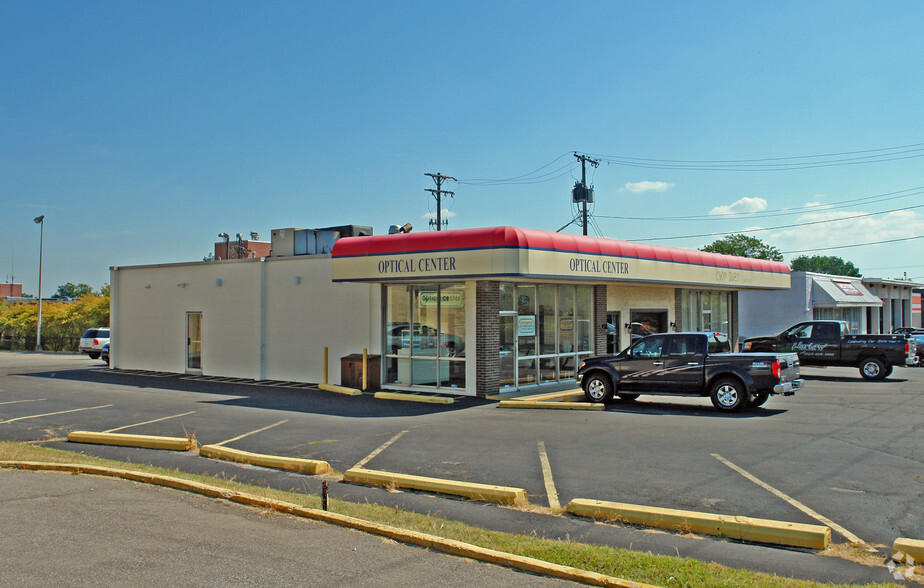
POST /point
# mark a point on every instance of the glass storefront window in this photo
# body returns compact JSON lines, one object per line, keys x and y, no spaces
{"x":507,"y":292}
{"x":546,"y":319}
{"x":706,"y":310}
{"x":566,"y":319}
{"x":583,"y":315}
{"x":425,"y":336}
{"x":851,"y":315}
{"x":452,"y":321}
{"x":526,"y":370}
{"x":548,"y":369}
{"x":526,"y":320}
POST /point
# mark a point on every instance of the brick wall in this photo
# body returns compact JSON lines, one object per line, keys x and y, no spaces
{"x":10,"y":290}
{"x":487,"y":358}
{"x":599,"y":318}
{"x":253,"y":249}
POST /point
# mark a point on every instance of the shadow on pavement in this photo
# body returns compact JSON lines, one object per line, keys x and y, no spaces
{"x":292,"y":396}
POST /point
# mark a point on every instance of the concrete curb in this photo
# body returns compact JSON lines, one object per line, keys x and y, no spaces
{"x":415,"y":397}
{"x":474,"y":491}
{"x":733,"y":527}
{"x":559,"y":405}
{"x":560,"y":395}
{"x":340,"y":389}
{"x":291,"y":464}
{"x":127,"y":440}
{"x":912,"y":547}
{"x":449,"y":546}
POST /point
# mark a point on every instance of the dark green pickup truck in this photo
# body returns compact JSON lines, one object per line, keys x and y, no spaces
{"x":829,"y":343}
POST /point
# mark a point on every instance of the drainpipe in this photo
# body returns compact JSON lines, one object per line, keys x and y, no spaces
{"x":262,"y":325}
{"x":113,"y":317}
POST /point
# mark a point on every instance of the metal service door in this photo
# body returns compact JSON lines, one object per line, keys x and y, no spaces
{"x":193,"y":342}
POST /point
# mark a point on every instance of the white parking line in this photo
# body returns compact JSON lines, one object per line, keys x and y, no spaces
{"x":382,"y":448}
{"x":251,"y":433}
{"x":36,"y":416}
{"x":20,"y":401}
{"x":550,"y":490}
{"x":792,"y":501}
{"x":148,"y":422}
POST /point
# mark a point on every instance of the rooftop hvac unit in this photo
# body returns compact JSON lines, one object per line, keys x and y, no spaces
{"x":282,"y":242}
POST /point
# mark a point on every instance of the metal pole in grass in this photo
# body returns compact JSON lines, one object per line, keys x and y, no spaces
{"x":40,"y":220}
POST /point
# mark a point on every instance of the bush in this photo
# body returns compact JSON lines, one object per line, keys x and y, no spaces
{"x":62,"y":322}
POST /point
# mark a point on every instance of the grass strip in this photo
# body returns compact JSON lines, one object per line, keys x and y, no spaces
{"x":636,"y":566}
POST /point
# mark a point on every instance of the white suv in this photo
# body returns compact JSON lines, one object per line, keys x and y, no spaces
{"x":92,"y":341}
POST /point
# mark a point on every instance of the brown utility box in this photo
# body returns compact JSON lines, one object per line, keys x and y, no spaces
{"x":351,"y":371}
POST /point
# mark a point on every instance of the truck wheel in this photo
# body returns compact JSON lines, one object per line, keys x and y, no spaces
{"x":887,"y":372}
{"x":872,"y":369}
{"x":598,"y":388}
{"x":759,"y":399}
{"x":729,"y":395}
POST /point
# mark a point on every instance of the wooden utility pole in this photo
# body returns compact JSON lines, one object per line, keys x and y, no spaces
{"x":437,"y":193}
{"x":584,"y":161}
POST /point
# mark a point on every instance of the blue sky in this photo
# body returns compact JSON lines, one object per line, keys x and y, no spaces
{"x":142,"y":130}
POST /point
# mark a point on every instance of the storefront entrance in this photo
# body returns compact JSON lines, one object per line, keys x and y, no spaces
{"x":545,"y":331}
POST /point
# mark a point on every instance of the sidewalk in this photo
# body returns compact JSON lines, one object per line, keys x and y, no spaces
{"x":61,"y":529}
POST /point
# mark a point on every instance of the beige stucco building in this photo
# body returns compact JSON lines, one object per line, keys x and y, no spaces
{"x":468,"y":312}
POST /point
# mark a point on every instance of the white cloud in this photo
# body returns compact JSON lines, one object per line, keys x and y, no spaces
{"x":842,"y":227}
{"x":445,"y":214}
{"x":817,"y":206}
{"x":744,"y":205}
{"x":648,"y":186}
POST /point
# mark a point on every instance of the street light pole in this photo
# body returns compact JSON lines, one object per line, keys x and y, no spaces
{"x":40,"y":220}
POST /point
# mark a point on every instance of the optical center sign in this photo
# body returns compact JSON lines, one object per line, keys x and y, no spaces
{"x":604,"y":267}
{"x":422,"y":265}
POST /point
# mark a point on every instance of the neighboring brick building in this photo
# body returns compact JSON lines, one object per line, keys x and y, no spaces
{"x":244,"y":249}
{"x":8,"y":290}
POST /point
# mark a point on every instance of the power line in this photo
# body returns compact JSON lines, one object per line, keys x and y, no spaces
{"x":916,"y":191}
{"x":520,"y":177}
{"x":805,"y":224}
{"x":853,"y":245}
{"x":528,"y":178}
{"x":789,"y":163}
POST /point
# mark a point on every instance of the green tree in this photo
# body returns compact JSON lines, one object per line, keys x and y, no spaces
{"x":70,"y":290}
{"x":744,"y":246}
{"x":62,"y":322}
{"x":825,"y":264}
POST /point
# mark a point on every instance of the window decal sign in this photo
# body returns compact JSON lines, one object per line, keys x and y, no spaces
{"x":526,"y":326}
{"x":448,"y":299}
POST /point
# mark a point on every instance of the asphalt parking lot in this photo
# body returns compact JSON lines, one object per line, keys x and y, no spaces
{"x":842,"y":452}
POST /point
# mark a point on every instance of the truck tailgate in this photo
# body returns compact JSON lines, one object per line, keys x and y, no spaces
{"x":789,"y":366}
